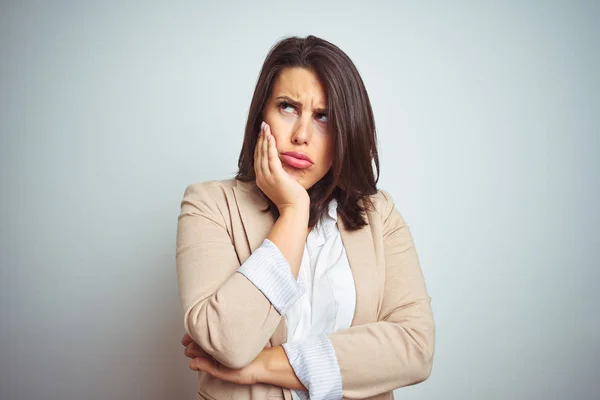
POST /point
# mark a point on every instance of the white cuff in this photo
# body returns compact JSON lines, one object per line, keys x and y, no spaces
{"x":270,"y":272}
{"x":315,"y":364}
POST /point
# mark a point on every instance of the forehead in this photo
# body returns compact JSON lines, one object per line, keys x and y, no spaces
{"x":301,"y":84}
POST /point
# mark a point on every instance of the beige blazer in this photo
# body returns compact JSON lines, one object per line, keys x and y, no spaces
{"x":390,"y":343}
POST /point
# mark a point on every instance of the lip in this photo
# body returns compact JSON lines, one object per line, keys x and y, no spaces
{"x":296,"y":160}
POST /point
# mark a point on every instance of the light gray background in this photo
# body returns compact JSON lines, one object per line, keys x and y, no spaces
{"x":487,"y":115}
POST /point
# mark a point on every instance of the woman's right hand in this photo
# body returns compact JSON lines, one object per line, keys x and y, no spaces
{"x":272,"y":179}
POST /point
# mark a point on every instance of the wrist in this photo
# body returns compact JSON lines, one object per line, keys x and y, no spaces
{"x":263,"y":364}
{"x":274,"y":368}
{"x":299,"y":210}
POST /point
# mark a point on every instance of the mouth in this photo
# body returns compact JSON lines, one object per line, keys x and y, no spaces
{"x":296,"y":160}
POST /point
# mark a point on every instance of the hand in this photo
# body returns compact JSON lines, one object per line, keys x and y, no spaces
{"x":244,"y":376}
{"x":272,"y":179}
{"x":192,"y":349}
{"x":202,"y":361}
{"x":271,"y":366}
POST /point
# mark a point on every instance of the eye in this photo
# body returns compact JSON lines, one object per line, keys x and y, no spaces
{"x":322,"y":117}
{"x":285,"y":106}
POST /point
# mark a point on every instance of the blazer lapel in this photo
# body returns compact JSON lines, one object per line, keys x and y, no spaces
{"x":360,"y":250}
{"x":257,"y":223}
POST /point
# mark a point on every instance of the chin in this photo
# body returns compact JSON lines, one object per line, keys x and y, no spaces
{"x":295,"y":173}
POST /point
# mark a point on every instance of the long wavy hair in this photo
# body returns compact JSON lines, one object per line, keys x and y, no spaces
{"x":351,"y":179}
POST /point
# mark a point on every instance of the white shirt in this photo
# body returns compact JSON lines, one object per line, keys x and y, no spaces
{"x":320,"y":301}
{"x":329,"y":301}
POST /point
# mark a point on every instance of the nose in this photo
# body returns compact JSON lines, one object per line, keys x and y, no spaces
{"x":302,"y":131}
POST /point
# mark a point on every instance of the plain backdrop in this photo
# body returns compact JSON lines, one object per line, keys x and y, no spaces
{"x":487,"y":115}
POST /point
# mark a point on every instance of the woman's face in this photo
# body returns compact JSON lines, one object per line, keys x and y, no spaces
{"x":297,"y":115}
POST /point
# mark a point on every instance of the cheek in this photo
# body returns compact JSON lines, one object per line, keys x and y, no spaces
{"x":279,"y":126}
{"x":327,"y":153}
{"x":278,"y":138}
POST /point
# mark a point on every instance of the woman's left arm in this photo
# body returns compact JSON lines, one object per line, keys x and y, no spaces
{"x":397,"y":350}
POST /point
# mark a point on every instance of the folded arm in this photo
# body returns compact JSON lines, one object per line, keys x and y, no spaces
{"x":378,"y":357}
{"x":231,"y":310}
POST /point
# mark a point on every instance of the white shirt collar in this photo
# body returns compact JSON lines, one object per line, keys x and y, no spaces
{"x":332,"y":209}
{"x":326,"y":226}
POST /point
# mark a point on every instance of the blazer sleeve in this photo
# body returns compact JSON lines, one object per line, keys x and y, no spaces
{"x":397,"y":350}
{"x":224,"y":312}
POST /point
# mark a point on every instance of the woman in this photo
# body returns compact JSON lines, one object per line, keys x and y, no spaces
{"x":299,"y":278}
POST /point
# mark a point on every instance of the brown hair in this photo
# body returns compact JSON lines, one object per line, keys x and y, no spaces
{"x":352,"y":125}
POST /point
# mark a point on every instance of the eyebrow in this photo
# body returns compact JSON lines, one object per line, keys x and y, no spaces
{"x":297,"y":104}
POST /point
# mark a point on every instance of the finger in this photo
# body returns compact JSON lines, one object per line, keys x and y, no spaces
{"x":272,"y":154}
{"x":201,"y":364}
{"x":259,"y":152}
{"x":189,"y":352}
{"x":207,"y":365}
{"x":264,"y":161}
{"x":187,"y":339}
{"x":194,"y":350}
